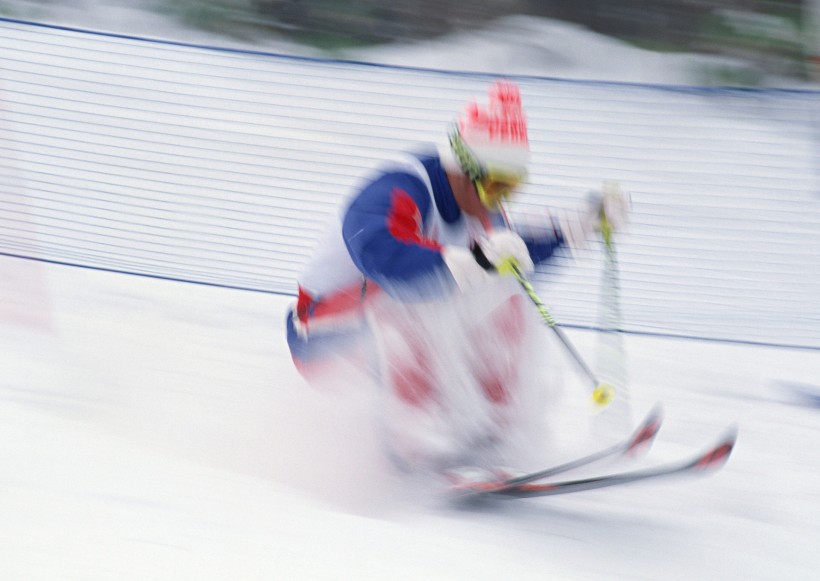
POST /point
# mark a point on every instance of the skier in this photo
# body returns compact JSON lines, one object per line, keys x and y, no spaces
{"x":409,"y":283}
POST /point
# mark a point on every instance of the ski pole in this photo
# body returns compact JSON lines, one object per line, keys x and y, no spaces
{"x":602,"y":393}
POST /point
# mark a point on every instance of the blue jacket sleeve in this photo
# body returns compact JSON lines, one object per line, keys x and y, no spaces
{"x":541,"y":242}
{"x":541,"y":248}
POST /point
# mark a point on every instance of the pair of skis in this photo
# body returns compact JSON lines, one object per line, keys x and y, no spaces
{"x":532,"y":485}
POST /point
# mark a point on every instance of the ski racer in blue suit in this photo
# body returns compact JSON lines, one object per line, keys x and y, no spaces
{"x":425,"y":228}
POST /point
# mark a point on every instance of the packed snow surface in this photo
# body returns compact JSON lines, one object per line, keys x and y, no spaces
{"x":157,"y":430}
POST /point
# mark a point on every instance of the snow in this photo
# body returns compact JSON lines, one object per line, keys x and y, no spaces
{"x":536,"y":46}
{"x":157,"y":430}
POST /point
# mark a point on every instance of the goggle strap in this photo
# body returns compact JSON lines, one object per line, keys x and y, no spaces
{"x":470,"y":164}
{"x":466,"y":158}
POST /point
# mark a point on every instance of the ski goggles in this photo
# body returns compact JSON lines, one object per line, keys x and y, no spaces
{"x":492,"y":184}
{"x":493,"y":189}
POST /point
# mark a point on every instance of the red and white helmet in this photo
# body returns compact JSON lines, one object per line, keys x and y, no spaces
{"x":492,"y":137}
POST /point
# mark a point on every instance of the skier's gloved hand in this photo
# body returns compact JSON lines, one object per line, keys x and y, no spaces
{"x":612,"y":206}
{"x":501,"y":249}
{"x":492,"y":256}
{"x":463,"y":267}
{"x":605,"y":208}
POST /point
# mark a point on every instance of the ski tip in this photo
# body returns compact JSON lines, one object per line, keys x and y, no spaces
{"x":731,"y":436}
{"x":656,"y":413}
{"x":645,"y":434}
{"x":719,"y":454}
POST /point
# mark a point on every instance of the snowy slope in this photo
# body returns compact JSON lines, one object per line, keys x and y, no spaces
{"x":543,"y":47}
{"x":157,"y":430}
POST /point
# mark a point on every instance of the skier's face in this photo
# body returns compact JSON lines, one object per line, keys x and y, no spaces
{"x":466,"y":196}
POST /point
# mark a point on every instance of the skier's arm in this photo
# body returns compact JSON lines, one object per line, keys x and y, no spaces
{"x":573,"y":228}
{"x":541,"y":237}
{"x":383,"y":231}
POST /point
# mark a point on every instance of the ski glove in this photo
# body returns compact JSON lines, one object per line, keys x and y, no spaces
{"x":612,"y":205}
{"x":473,"y":267}
{"x":606,"y":208}
{"x":503,"y":248}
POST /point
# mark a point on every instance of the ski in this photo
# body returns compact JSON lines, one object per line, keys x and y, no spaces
{"x":710,"y":460}
{"x":640,"y":439}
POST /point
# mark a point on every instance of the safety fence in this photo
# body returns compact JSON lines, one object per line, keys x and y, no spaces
{"x":221,"y":167}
